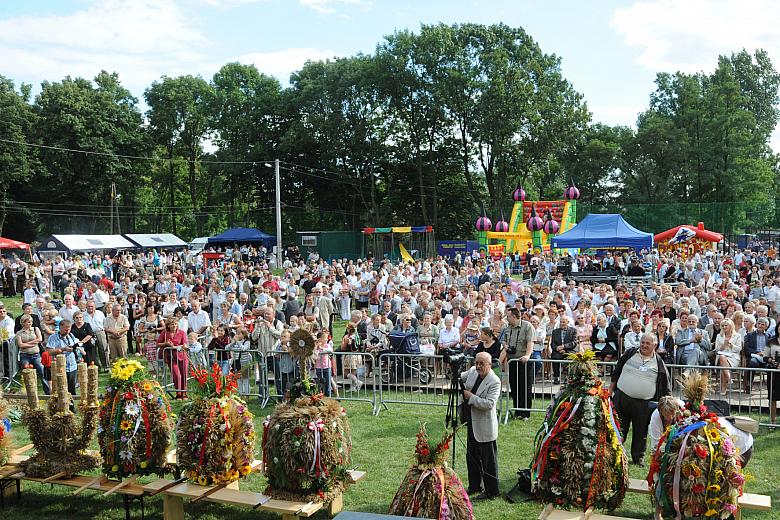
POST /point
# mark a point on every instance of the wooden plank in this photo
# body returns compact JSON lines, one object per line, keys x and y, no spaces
{"x":746,"y":501}
{"x":79,"y":480}
{"x":355,"y":476}
{"x":26,"y":447}
{"x":123,"y":483}
{"x":235,"y":497}
{"x":54,"y":477}
{"x":559,"y":514}
{"x":96,"y":480}
{"x":637,"y":485}
{"x":755,"y":502}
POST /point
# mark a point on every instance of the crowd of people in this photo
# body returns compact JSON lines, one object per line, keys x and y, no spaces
{"x":179,"y":310}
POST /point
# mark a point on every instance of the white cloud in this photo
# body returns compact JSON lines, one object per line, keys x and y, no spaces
{"x":329,"y":6}
{"x":625,"y":115}
{"x":283,"y":63}
{"x":227,"y":4}
{"x":140,"y":39}
{"x":689,"y":35}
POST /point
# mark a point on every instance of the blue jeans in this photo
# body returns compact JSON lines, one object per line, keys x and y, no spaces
{"x":537,"y":356}
{"x":323,"y":377}
{"x":225,"y":366}
{"x":35,"y":360}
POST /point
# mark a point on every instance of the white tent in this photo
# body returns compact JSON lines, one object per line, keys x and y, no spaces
{"x":75,"y":243}
{"x":156,"y":240}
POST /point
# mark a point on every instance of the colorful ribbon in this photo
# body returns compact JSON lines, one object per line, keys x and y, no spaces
{"x":316,"y":464}
{"x":676,"y":481}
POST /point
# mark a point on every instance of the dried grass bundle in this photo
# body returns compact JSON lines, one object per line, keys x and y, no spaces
{"x":307,"y":448}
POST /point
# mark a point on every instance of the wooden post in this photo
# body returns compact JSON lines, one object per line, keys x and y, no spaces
{"x":30,"y":377}
{"x":336,"y":505}
{"x":173,"y":508}
{"x":92,"y":383}
{"x":63,"y":397}
{"x":81,"y":374}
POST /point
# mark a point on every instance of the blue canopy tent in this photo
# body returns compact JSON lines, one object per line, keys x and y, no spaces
{"x":597,"y":231}
{"x":243,"y":236}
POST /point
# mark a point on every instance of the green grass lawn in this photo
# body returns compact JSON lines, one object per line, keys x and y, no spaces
{"x":383,"y":447}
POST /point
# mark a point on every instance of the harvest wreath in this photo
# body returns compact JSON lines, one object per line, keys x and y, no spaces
{"x":579,"y":461}
{"x":307,"y":441}
{"x":695,"y":471}
{"x":215,"y":434}
{"x":135,"y":423}
{"x":431,"y":489}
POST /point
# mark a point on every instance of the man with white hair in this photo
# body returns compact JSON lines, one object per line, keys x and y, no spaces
{"x":481,"y":391}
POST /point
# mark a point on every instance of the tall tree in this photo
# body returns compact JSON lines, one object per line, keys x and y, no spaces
{"x":179,"y":119}
{"x":16,"y":158}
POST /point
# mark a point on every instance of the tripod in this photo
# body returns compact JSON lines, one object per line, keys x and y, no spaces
{"x":454,"y":392}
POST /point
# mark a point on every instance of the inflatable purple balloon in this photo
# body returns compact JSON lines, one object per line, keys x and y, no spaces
{"x":535,"y":222}
{"x":483,"y":224}
{"x":551,"y":227}
{"x":572,"y":192}
{"x":502,"y":226}
{"x":519,"y":194}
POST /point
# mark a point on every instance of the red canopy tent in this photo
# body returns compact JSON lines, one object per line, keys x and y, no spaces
{"x":687,"y":239}
{"x":7,"y":243}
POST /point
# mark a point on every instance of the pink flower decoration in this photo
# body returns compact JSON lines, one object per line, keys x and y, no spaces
{"x":728,"y":447}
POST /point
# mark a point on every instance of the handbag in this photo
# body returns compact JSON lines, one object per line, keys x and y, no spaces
{"x":46,"y":359}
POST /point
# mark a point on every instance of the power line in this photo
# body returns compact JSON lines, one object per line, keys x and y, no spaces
{"x":124,"y":156}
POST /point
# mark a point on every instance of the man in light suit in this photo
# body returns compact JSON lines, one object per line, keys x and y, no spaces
{"x":324,"y":307}
{"x":693,"y":344}
{"x":482,"y":389}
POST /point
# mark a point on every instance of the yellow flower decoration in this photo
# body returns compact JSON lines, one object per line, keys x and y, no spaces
{"x":147,"y":387}
{"x":124,"y":369}
{"x":713,"y":434}
{"x":125,"y":425}
{"x":711,"y":512}
{"x":713,"y":487}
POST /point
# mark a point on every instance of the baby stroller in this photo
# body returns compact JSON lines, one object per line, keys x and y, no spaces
{"x":393,"y":369}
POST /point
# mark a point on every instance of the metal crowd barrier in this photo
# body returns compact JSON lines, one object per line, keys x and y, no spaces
{"x":543,"y":386}
{"x":387,"y":378}
{"x":256,"y":373}
{"x":754,"y":403}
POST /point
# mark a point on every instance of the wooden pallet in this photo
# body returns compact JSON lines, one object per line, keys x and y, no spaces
{"x":173,"y":499}
{"x":746,"y":501}
{"x":550,"y":513}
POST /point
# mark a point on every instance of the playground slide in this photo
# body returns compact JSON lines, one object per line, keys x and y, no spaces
{"x":405,"y":254}
{"x":518,"y":237}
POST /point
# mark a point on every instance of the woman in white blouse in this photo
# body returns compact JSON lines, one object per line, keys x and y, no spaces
{"x":728,"y":347}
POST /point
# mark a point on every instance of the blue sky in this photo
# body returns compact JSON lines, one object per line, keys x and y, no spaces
{"x":610,"y":50}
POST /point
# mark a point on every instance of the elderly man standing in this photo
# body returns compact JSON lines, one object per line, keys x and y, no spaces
{"x":324,"y":307}
{"x":693,"y":344}
{"x":265,"y":337}
{"x":640,"y":379}
{"x":116,"y":326}
{"x":481,"y":391}
{"x":97,"y":321}
{"x":518,"y":338}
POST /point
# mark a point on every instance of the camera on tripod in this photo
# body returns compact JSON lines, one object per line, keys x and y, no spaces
{"x":773,"y":362}
{"x":454,"y":357}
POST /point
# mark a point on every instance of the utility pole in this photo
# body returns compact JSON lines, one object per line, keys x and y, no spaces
{"x":113,"y":196}
{"x":278,"y":217}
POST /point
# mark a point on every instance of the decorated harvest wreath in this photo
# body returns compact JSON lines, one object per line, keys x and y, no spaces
{"x":579,"y":461}
{"x":215,"y":435}
{"x":695,"y":471}
{"x":135,"y":423}
{"x":5,"y":429}
{"x":307,"y":442}
{"x":431,"y":489}
{"x":60,"y":440}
